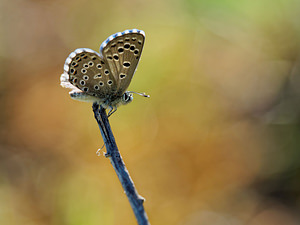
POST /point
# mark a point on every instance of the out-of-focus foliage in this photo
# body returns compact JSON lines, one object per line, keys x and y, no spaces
{"x":217,"y":142}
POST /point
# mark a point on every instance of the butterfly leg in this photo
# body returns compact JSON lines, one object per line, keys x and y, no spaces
{"x":111,"y":111}
{"x":99,"y":150}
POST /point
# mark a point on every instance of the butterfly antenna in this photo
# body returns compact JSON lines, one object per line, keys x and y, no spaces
{"x":141,"y":94}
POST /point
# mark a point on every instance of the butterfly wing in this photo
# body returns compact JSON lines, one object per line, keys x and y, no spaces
{"x":89,"y":72}
{"x":122,"y":51}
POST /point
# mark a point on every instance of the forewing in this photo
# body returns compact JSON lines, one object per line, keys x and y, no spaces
{"x":122,"y":51}
{"x":89,"y":72}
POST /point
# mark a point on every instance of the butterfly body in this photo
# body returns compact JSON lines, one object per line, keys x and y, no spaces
{"x":105,"y":77}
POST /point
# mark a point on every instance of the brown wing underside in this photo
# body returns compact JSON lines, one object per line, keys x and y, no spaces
{"x":123,"y":54}
{"x":91,"y":74}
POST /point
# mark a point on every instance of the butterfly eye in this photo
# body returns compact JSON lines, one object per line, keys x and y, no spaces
{"x":106,"y":72}
{"x":83,"y":71}
{"x":109,"y":82}
{"x":96,"y":87}
{"x":82,"y":82}
{"x":99,"y":66}
{"x":101,"y":83}
{"x":91,"y":63}
{"x":85,"y":65}
{"x":122,"y":76}
{"x":85,"y":77}
{"x":127,"y":97}
{"x":136,"y":52}
{"x":127,"y":46}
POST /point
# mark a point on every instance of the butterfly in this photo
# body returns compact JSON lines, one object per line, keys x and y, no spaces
{"x":105,"y":77}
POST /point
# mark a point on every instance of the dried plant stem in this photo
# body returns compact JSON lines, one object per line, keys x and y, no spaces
{"x":113,"y":154}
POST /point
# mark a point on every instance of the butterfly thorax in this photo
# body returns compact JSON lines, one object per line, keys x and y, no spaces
{"x":115,"y":101}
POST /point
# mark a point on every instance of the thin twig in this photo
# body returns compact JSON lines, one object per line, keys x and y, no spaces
{"x":112,"y":152}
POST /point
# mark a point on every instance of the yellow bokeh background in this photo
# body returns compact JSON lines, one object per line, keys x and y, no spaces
{"x":217,"y":143}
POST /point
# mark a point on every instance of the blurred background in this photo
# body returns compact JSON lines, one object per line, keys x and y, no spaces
{"x":217,"y":142}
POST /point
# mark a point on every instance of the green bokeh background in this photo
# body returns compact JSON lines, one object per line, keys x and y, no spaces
{"x":217,"y":142}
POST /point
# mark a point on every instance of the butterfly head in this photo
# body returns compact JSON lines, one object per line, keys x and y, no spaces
{"x":126,"y":98}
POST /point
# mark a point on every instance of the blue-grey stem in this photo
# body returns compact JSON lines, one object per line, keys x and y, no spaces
{"x":113,"y":154}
